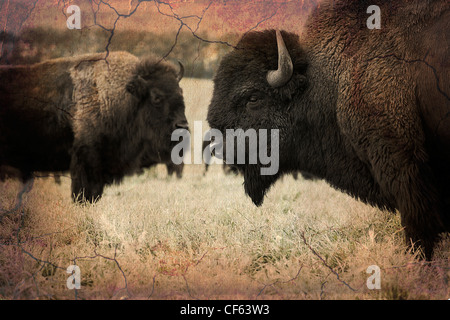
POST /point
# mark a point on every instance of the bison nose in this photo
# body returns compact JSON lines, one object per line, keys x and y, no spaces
{"x":182,"y":125}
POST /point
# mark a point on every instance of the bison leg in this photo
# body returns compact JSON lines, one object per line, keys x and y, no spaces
{"x":401,"y":167}
{"x":177,"y":169}
{"x":83,"y":190}
{"x":418,"y":201}
{"x":27,"y":186}
{"x":422,"y":211}
{"x":85,"y":171}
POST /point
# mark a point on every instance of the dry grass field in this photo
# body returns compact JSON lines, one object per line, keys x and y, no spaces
{"x":156,"y":237}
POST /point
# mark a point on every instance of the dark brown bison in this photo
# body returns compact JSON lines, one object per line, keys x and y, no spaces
{"x":366,"y":110}
{"x":93,"y":117}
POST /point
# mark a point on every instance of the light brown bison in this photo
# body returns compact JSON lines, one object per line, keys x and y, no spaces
{"x":93,"y":117}
{"x":366,"y":110}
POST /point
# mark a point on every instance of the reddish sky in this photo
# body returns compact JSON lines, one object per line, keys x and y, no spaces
{"x":219,"y":16}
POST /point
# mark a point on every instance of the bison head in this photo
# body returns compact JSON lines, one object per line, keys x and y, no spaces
{"x":159,"y":99}
{"x":254,"y":88}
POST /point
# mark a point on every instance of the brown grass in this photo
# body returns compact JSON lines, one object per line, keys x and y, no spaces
{"x":201,"y":237}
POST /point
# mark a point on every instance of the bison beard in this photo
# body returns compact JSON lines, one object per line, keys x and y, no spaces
{"x":256,"y":185}
{"x":100,"y":119}
{"x":367,"y":113}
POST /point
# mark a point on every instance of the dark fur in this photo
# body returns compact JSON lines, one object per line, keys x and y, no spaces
{"x":95,"y":119}
{"x":366,"y":110}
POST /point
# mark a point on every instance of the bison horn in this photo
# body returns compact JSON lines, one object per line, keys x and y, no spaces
{"x":278,"y":78}
{"x":181,"y":72}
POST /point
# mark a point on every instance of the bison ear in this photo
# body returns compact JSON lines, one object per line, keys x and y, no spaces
{"x":181,"y":72}
{"x":137,"y":87}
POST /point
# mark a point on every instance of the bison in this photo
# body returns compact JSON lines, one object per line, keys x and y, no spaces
{"x":366,"y":110}
{"x":97,"y":118}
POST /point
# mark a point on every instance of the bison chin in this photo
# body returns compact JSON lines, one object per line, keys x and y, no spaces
{"x":257,"y":185}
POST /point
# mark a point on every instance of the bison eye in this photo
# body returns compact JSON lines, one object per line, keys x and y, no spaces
{"x":156,"y":100}
{"x":253,"y":102}
{"x":156,"y":96}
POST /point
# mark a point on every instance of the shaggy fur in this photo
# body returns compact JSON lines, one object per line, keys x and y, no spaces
{"x":366,"y":110}
{"x":95,"y":118}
